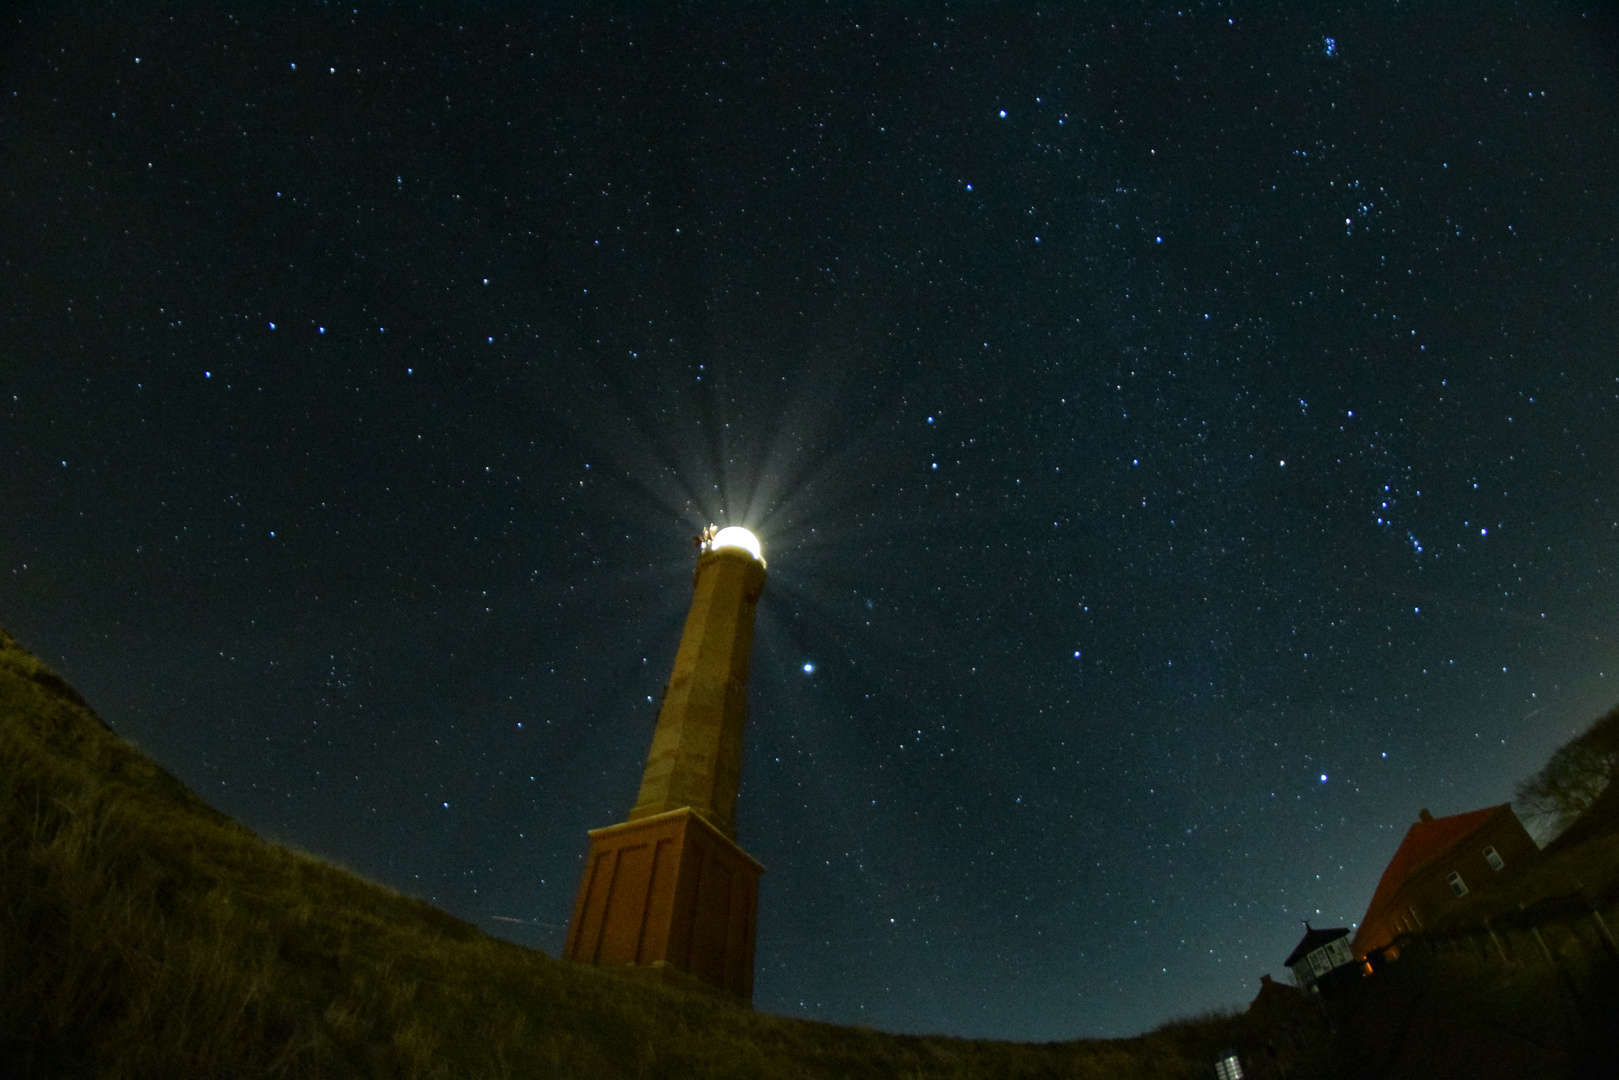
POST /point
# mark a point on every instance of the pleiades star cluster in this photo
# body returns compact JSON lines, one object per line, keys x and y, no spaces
{"x":1183,"y":440}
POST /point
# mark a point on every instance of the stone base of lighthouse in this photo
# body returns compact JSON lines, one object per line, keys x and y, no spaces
{"x":668,"y":897}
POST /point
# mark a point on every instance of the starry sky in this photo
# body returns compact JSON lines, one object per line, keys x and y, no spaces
{"x":1182,"y":439}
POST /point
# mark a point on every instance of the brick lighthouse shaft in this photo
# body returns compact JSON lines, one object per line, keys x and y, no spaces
{"x":696,"y":756}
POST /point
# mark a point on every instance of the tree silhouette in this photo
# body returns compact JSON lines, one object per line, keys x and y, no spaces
{"x":1576,"y":775}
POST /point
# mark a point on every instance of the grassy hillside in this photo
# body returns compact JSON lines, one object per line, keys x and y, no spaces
{"x":142,"y":933}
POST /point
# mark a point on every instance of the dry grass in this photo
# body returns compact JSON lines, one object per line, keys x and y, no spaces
{"x":143,"y":934}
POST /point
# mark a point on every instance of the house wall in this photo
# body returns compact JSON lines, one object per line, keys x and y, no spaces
{"x":1318,"y":962}
{"x":1329,"y":956}
{"x":1427,"y":893}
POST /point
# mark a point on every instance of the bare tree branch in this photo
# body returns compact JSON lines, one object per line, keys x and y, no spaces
{"x":1577,"y":773}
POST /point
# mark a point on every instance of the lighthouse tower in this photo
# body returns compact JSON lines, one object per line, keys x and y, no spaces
{"x":668,"y":892}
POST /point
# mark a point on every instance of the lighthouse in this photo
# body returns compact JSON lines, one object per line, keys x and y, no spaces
{"x":668,"y":893}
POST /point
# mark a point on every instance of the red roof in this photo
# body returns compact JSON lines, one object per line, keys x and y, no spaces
{"x":1425,"y":842}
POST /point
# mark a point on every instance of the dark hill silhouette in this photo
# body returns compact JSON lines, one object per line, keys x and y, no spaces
{"x":143,"y":933}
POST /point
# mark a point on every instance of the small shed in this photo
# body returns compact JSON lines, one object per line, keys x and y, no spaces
{"x":1318,"y":954}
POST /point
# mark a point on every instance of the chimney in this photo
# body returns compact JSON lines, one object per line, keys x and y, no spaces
{"x":1424,"y":815}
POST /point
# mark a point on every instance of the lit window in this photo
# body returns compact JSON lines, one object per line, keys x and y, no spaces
{"x":1229,"y":1067}
{"x":1457,"y":885}
{"x":1493,"y":857}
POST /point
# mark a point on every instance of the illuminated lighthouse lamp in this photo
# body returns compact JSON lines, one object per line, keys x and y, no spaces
{"x":735,"y":536}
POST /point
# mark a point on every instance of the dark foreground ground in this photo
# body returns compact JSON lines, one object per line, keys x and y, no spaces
{"x":143,"y":934}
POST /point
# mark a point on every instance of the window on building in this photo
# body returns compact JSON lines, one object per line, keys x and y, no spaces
{"x":1229,"y":1067}
{"x":1457,"y":885}
{"x":1493,"y":857}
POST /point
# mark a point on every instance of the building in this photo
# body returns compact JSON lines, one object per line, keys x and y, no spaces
{"x":1318,"y":954}
{"x":1293,"y":1026}
{"x":668,"y":893}
{"x":1439,"y":861}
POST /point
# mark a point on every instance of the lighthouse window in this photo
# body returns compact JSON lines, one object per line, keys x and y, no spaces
{"x":1457,"y":885}
{"x":1493,"y":857}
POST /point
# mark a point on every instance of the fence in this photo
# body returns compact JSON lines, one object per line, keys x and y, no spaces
{"x":1573,"y":930}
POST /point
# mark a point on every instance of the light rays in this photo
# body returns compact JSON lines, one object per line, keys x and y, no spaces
{"x":748,"y":446}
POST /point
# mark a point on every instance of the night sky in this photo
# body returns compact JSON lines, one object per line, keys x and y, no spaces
{"x":1183,"y":441}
